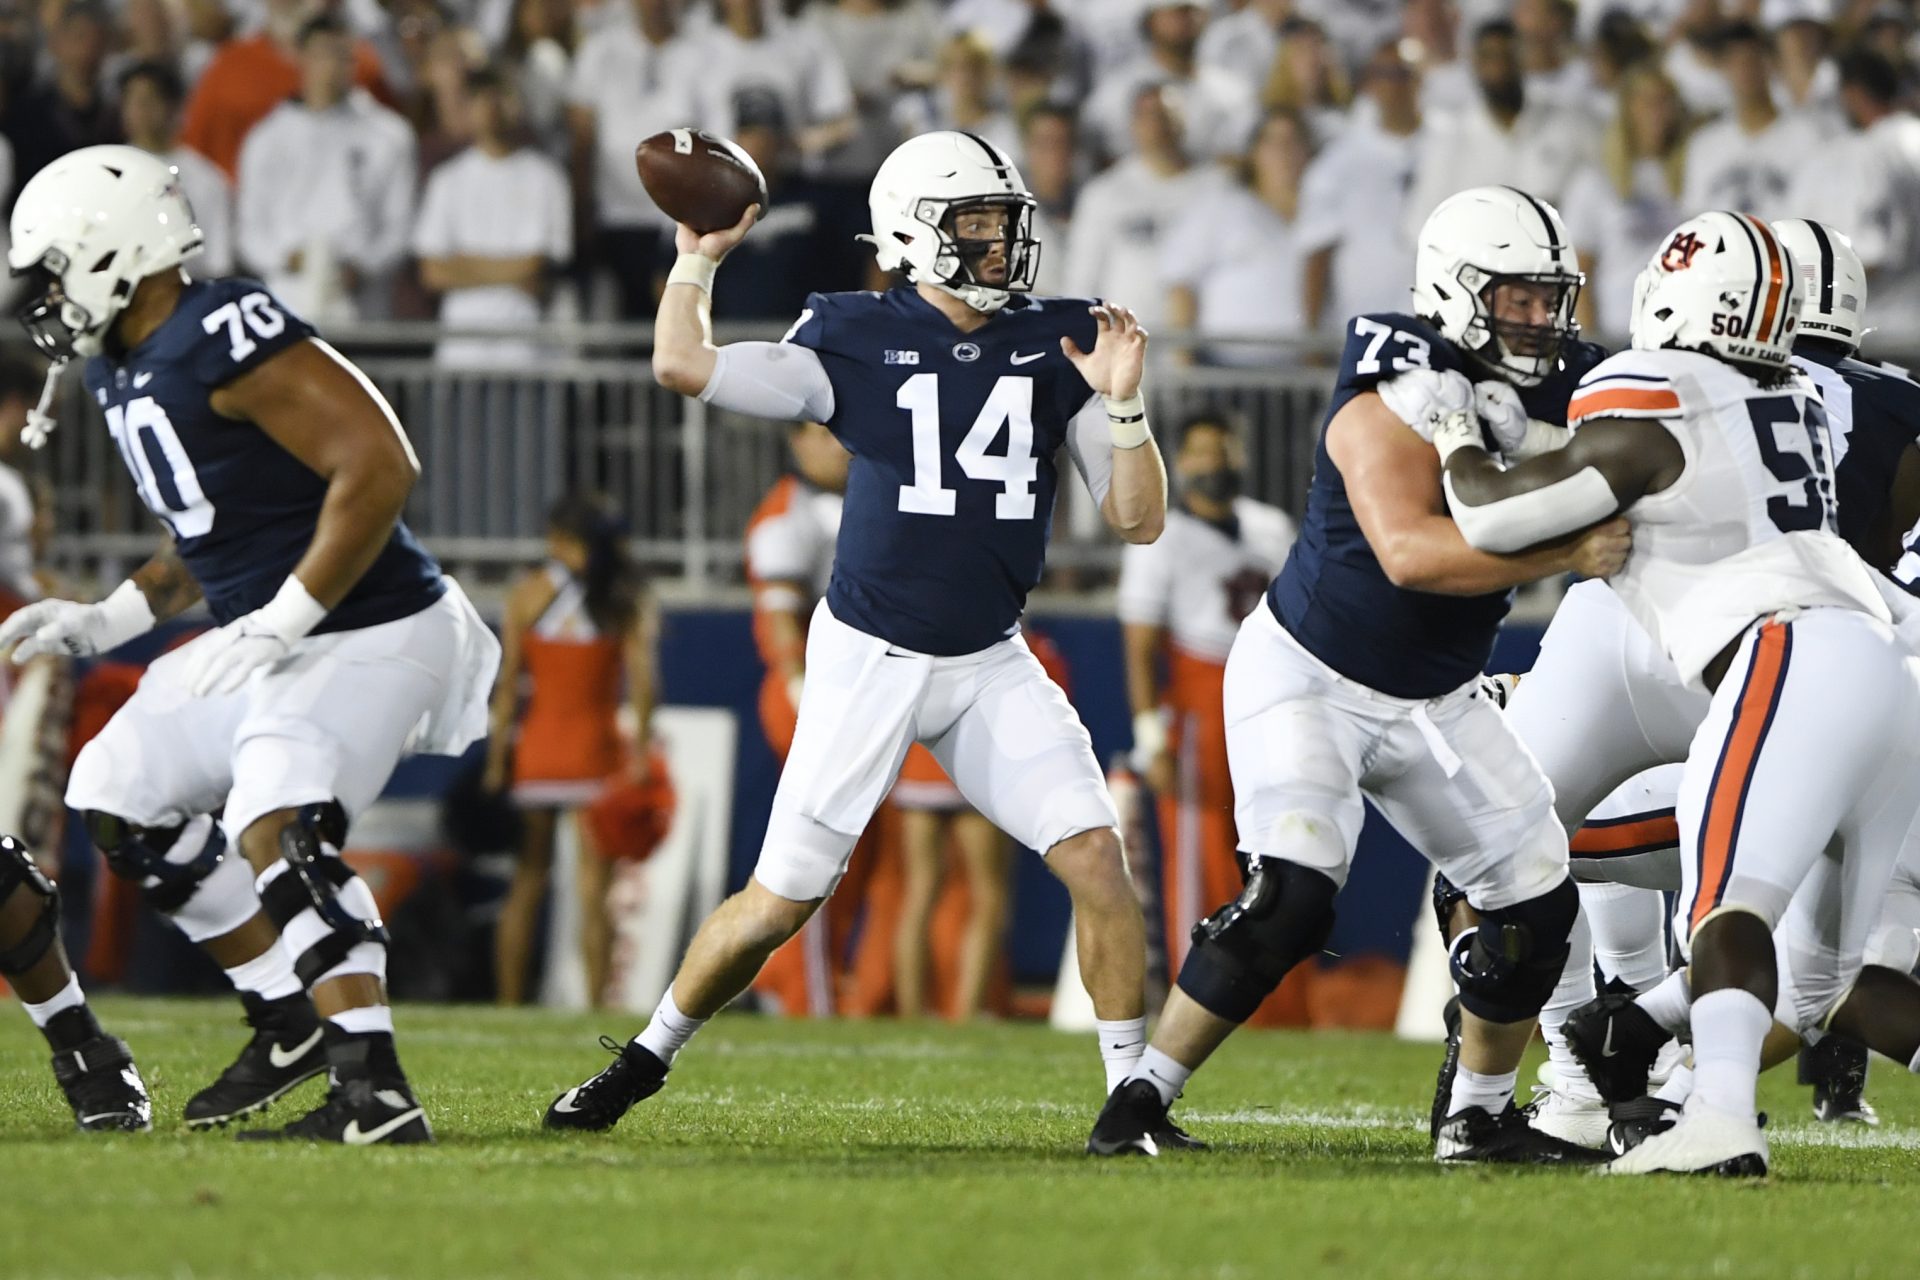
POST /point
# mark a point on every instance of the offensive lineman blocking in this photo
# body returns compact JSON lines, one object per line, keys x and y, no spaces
{"x":954,"y":394}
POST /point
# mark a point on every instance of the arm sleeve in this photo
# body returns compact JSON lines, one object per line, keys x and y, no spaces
{"x":778,"y":380}
{"x":1146,"y":584}
{"x":1090,"y":444}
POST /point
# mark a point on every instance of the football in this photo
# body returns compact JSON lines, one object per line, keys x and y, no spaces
{"x":697,"y":178}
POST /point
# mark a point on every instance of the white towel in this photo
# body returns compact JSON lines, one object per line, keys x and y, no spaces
{"x":461,"y":718}
{"x":853,"y":772}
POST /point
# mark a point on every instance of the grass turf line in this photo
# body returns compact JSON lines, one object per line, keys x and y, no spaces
{"x":879,"y":1149}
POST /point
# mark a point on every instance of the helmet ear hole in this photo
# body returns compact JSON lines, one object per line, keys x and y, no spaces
{"x":106,"y":260}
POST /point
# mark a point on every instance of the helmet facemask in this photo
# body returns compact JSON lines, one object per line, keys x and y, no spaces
{"x":1520,"y":350}
{"x":962,"y":264}
{"x":60,"y":327}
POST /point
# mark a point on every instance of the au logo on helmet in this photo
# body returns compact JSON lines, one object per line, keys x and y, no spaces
{"x":1680,"y":251}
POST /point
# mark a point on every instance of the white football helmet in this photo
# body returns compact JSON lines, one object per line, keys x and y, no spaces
{"x":1833,"y":282}
{"x":1724,"y":284}
{"x":88,"y":228}
{"x":1482,"y":237}
{"x":919,"y":187}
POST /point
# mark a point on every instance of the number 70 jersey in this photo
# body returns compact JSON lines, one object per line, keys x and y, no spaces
{"x":1750,"y":527}
{"x":242,"y":510}
{"x":955,"y":438}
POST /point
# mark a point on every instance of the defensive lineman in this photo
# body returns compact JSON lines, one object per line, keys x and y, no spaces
{"x":280,"y":473}
{"x":1359,"y":676}
{"x":1720,"y":454}
{"x":954,"y":394}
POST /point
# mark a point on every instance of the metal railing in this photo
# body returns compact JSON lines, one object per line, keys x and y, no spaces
{"x":497,"y":446}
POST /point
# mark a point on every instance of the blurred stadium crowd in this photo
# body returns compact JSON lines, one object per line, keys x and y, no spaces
{"x":1251,"y":168}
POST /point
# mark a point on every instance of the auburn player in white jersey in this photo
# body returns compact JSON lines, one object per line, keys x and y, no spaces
{"x":1717,"y":451}
{"x":1181,"y":602}
{"x":957,"y":393}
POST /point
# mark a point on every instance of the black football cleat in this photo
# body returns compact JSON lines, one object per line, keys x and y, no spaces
{"x":1473,"y":1136}
{"x":360,"y":1111}
{"x":1449,"y":1068}
{"x":1617,"y":1042}
{"x":1632,"y":1123}
{"x":286,"y":1050}
{"x":634,"y":1075}
{"x":1171,"y":1137}
{"x":103,"y":1087}
{"x":1130,"y":1122}
{"x":1837,"y":1070}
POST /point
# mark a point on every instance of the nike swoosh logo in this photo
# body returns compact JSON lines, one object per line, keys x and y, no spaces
{"x":141,"y":379}
{"x":1606,"y":1046}
{"x":284,"y":1058}
{"x":1020,"y":359}
{"x":564,"y":1103}
{"x":1131,"y":1044}
{"x":355,"y":1136}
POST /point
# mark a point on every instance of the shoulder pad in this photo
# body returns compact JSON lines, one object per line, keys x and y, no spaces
{"x":1632,"y":384}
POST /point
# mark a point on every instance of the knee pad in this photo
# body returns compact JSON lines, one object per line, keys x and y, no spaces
{"x":144,"y":856}
{"x":1242,"y":951}
{"x":1507,"y":967}
{"x":324,"y":911}
{"x":18,"y":870}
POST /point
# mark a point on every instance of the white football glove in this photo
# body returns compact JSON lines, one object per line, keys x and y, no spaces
{"x":221,"y":661}
{"x":1426,"y":398}
{"x":1515,"y":434}
{"x":67,"y":628}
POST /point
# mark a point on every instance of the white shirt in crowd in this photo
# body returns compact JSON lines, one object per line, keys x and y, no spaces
{"x":1242,"y":43}
{"x":1620,"y":233}
{"x":634,"y":88}
{"x":1220,"y":109}
{"x":211,"y":198}
{"x":510,"y":206}
{"x":1055,"y":251}
{"x":335,"y":186}
{"x":1870,"y":189}
{"x":1198,"y":580}
{"x":1353,"y":198}
{"x":16,"y":536}
{"x":1244,"y":263}
{"x":1119,"y":225}
{"x":1729,"y":168}
{"x":792,"y":60}
{"x":1469,"y":149}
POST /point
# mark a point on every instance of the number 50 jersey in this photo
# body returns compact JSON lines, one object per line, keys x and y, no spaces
{"x":954,"y":438}
{"x":1750,"y":527}
{"x":242,"y":510}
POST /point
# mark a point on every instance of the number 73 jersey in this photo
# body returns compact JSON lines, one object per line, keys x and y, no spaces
{"x":1750,"y":527}
{"x":242,"y":510}
{"x":954,"y":439}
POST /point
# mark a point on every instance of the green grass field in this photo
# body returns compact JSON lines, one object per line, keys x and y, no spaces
{"x":875,"y":1149}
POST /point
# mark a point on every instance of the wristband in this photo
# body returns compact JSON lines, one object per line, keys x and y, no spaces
{"x":126,"y":614}
{"x":1149,"y":737}
{"x":1127,"y":421}
{"x":292,"y":612}
{"x":696,"y":269}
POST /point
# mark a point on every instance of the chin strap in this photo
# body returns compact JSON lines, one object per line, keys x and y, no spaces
{"x":40,"y":422}
{"x":978,"y":296}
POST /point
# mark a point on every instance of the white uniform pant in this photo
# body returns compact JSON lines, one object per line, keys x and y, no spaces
{"x":1305,"y":744}
{"x":1801,"y":789}
{"x":328,"y":721}
{"x":1003,"y":731}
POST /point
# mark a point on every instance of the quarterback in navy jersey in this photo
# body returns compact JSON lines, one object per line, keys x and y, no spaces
{"x":280,"y":474}
{"x":956,"y":392}
{"x":1358,"y":677}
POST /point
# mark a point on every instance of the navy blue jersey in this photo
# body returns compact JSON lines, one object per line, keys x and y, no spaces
{"x":1332,"y":594}
{"x":954,"y":436}
{"x":242,"y":509}
{"x":1873,"y":414}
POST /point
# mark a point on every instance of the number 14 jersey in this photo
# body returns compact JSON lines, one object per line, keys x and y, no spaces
{"x":954,"y":439}
{"x":1750,"y":527}
{"x":242,"y":510}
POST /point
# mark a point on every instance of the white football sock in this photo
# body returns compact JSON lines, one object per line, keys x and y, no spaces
{"x":1729,"y":1026}
{"x":1629,"y":932}
{"x":1669,"y":1003}
{"x":67,"y":997}
{"x":1121,"y":1043}
{"x":1163,"y":1073}
{"x":1490,"y":1092}
{"x":1679,"y":1086}
{"x":669,"y":1030}
{"x":268,"y":975}
{"x":1574,"y":989}
{"x":365,"y":1020}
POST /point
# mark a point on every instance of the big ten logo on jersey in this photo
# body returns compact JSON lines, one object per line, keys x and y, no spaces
{"x":1010,"y":405}
{"x":1409,"y":351}
{"x":1792,"y":433}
